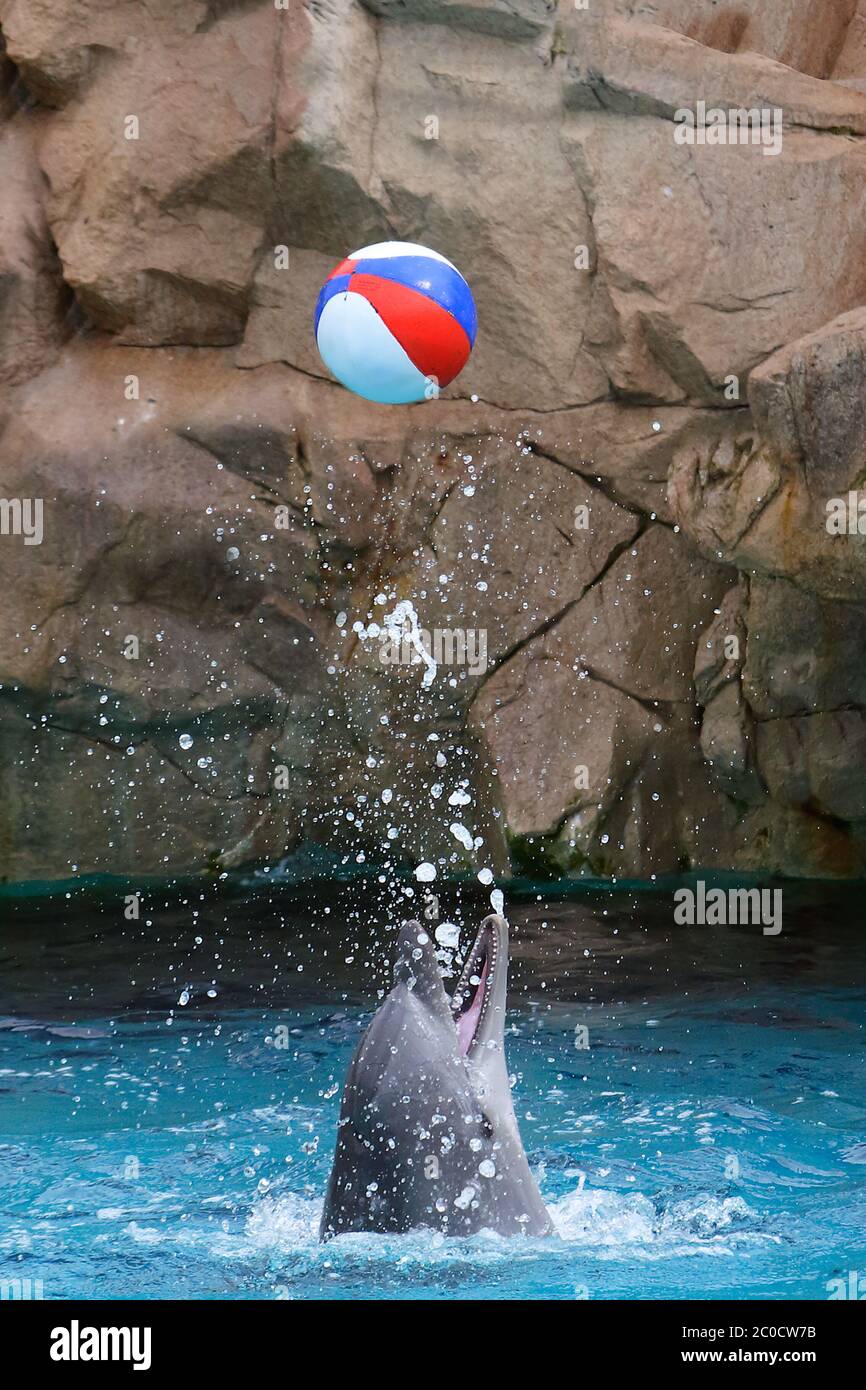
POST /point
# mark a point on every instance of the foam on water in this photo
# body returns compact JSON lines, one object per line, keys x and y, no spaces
{"x":609,"y":1225}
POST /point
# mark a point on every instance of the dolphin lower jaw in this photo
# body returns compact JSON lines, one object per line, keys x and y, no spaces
{"x":469,"y":1019}
{"x":480,"y":986}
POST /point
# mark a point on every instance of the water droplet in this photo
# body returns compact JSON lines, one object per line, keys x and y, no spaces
{"x":448,"y":934}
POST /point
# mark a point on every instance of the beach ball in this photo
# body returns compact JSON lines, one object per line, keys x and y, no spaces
{"x":395,"y":322}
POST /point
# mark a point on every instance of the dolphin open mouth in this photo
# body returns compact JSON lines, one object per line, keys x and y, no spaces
{"x":474,"y":989}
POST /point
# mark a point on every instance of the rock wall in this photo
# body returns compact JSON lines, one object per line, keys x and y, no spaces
{"x":624,"y":496}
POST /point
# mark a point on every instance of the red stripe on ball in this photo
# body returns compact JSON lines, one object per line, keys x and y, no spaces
{"x":344,"y":268}
{"x":431,"y":337}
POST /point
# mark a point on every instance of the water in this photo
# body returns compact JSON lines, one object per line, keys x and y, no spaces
{"x":710,"y":1142}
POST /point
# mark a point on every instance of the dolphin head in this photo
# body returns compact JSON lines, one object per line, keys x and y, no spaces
{"x":427,"y":1112}
{"x":477,"y":1007}
{"x":476,"y":1011}
{"x":476,"y":1014}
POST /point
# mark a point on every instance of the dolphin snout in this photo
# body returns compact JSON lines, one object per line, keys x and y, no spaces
{"x":417,"y":966}
{"x":414,"y":945}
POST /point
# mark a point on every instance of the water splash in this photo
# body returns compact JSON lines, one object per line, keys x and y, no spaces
{"x":402,"y":626}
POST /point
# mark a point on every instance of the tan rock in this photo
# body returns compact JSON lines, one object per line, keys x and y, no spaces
{"x":783,"y":729}
{"x":113,"y":811}
{"x":809,"y":401}
{"x":159,"y":234}
{"x":727,"y":727}
{"x":798,"y":842}
{"x":59,"y":45}
{"x":816,"y":762}
{"x":161,"y":604}
{"x":695,"y":295}
{"x":670,"y":337}
{"x":515,"y":545}
{"x":763,"y":499}
{"x":617,"y":670}
{"x":728,"y":744}
{"x":803,"y":653}
{"x":851,"y":60}
{"x":627,"y":66}
{"x":721,"y":650}
{"x":805,"y":37}
{"x":33,"y":298}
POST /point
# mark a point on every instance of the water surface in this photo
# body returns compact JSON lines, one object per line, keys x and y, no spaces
{"x":169,"y":1091}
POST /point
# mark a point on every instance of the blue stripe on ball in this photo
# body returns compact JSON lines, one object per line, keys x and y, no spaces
{"x":434,"y":278}
{"x":328,"y":290}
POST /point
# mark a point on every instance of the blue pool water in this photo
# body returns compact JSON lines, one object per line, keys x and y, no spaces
{"x":709,"y":1142}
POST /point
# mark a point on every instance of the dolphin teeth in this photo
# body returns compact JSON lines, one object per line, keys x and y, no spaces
{"x":468,"y":1018}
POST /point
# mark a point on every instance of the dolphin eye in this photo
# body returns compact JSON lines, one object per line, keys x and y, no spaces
{"x":486,"y":1126}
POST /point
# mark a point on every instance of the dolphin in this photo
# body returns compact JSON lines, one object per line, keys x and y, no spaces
{"x":427,"y":1135}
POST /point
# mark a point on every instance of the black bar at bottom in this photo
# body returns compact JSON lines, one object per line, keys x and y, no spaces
{"x":647,"y":1337}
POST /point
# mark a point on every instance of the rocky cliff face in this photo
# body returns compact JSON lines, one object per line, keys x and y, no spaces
{"x":648,"y":644}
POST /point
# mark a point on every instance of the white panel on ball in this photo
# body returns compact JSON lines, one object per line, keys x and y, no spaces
{"x":364,"y":355}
